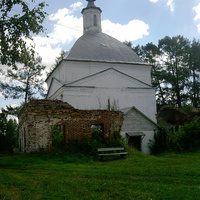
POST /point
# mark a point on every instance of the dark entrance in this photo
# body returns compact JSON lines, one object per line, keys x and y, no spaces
{"x":135,"y":139}
{"x":135,"y":142}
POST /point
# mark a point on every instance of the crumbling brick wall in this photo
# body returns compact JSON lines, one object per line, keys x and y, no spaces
{"x":37,"y":118}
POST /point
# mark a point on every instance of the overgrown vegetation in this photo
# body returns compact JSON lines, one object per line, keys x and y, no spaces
{"x":175,"y":71}
{"x":47,"y":176}
{"x":183,"y":138}
{"x":88,"y":146}
{"x":187,"y":137}
{"x":8,"y":128}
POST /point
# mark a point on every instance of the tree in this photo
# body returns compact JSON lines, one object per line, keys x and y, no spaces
{"x":150,"y":54}
{"x":26,"y":81}
{"x":8,"y":127}
{"x":194,"y":66}
{"x":11,"y":131}
{"x":17,"y":23}
{"x":175,"y":70}
{"x":3,"y":122}
{"x":175,"y":56}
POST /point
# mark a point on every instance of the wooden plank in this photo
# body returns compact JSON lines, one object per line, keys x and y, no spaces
{"x":113,"y":154}
{"x":110,"y":149}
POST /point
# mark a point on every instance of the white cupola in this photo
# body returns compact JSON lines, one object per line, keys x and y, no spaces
{"x":91,"y":17}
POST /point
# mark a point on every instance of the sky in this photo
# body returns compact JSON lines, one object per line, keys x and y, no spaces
{"x":137,"y":21}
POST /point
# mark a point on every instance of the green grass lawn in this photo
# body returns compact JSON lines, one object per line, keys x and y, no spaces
{"x":139,"y":176}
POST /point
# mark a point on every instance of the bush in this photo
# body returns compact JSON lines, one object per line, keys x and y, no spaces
{"x":57,"y":137}
{"x":89,"y":145}
{"x":183,"y":138}
{"x":160,"y":142}
{"x":187,"y":137}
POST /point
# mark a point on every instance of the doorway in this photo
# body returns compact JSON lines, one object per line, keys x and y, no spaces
{"x":135,"y":142}
{"x":135,"y":139}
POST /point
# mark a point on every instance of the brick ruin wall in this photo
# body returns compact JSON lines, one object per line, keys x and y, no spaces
{"x":37,"y":118}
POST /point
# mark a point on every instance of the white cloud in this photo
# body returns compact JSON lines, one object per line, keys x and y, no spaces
{"x":67,"y":28}
{"x":153,"y":1}
{"x":197,"y":10}
{"x":171,"y":4}
{"x":197,"y":17}
{"x":76,"y":6}
{"x":48,"y":53}
{"x":134,"y":30}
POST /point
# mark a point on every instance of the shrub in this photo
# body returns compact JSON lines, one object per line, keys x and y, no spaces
{"x":89,"y":145}
{"x":183,"y":138}
{"x":187,"y":137}
{"x":160,"y":142}
{"x":57,"y":137}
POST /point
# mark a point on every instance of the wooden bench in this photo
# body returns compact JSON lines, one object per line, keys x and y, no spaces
{"x":114,"y":151}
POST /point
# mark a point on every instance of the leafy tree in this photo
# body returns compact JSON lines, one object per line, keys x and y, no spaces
{"x":17,"y":23}
{"x":150,"y":54}
{"x":11,"y":131}
{"x":26,"y":81}
{"x":175,"y":70}
{"x":3,"y":122}
{"x":8,"y":127}
{"x":194,"y":66}
{"x":175,"y":55}
{"x":187,"y":137}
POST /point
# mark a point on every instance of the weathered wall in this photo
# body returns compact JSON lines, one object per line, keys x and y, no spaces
{"x":37,"y":118}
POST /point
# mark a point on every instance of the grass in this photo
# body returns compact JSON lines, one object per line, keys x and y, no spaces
{"x":139,"y":176}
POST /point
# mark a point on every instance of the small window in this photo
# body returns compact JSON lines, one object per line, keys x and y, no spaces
{"x":95,"y":20}
{"x":97,"y":132}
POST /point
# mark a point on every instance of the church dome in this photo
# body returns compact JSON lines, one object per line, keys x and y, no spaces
{"x":100,"y":47}
{"x":97,"y":46}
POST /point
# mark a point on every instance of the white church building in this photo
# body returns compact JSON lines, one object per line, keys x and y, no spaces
{"x":100,"y":72}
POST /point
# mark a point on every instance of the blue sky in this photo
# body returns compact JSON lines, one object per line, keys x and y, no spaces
{"x":138,"y":21}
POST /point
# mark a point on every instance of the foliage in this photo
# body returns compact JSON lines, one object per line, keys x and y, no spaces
{"x":160,"y":142}
{"x":57,"y":137}
{"x":89,"y":145}
{"x":175,"y":70}
{"x":12,"y":131}
{"x":26,"y":81}
{"x":194,"y":66}
{"x":6,"y":145}
{"x":3,"y":122}
{"x":187,"y":137}
{"x":9,"y":127}
{"x":47,"y":176}
{"x":17,"y":22}
{"x":183,"y":138}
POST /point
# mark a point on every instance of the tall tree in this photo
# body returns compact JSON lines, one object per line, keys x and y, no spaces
{"x":17,"y":23}
{"x":3,"y":121}
{"x":12,"y":131}
{"x":175,"y":56}
{"x":8,"y":127}
{"x":27,"y":80}
{"x":150,"y":54}
{"x":194,"y":65}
